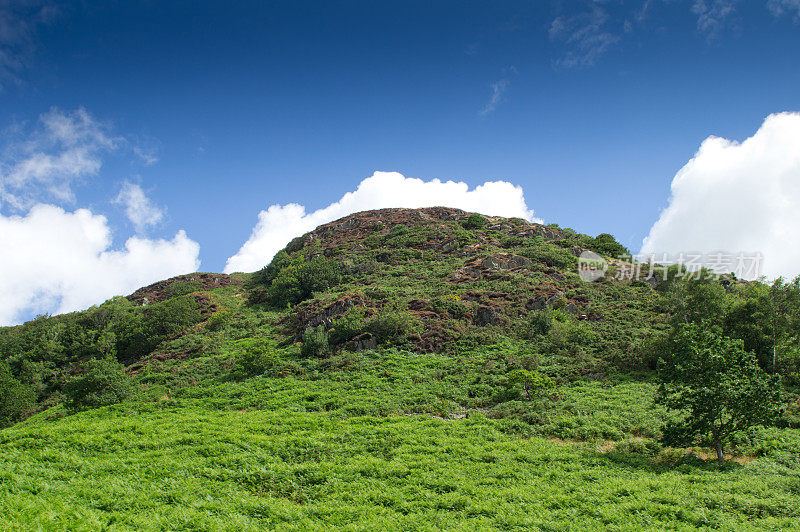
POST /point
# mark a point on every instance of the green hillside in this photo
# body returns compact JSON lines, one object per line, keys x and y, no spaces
{"x":404,"y":370}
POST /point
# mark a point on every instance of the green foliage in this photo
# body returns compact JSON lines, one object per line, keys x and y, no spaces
{"x":532,"y":382}
{"x":539,"y":322}
{"x":607,"y":245}
{"x":104,"y":382}
{"x":474,"y":221}
{"x":138,"y":332}
{"x":254,"y":356}
{"x":219,"y":321}
{"x":16,"y":399}
{"x":348,"y":326}
{"x":183,"y":288}
{"x":546,"y":253}
{"x":717,"y":386}
{"x":393,"y":324}
{"x":292,"y":280}
{"x":315,"y":342}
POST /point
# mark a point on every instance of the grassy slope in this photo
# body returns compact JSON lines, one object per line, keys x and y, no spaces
{"x":388,"y":439}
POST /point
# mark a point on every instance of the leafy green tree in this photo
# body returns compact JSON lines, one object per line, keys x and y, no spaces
{"x":16,"y":398}
{"x":532,"y":382}
{"x":716,"y":387}
{"x":291,"y":280}
{"x":104,"y":383}
{"x":606,"y":244}
{"x":315,"y":342}
{"x":474,"y":221}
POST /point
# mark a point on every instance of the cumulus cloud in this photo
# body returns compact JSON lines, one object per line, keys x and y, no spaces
{"x":62,"y":261}
{"x":738,"y":197}
{"x":280,"y":223}
{"x":66,"y":147}
{"x":138,"y":207}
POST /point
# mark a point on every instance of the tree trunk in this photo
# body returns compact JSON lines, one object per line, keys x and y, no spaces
{"x":720,"y":451}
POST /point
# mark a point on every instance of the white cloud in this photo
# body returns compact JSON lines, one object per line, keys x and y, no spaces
{"x":280,"y":223}
{"x":781,"y":7}
{"x":714,"y":15}
{"x":498,"y":89}
{"x":738,"y":197}
{"x":138,"y":207}
{"x":586,"y":35}
{"x":60,"y":261}
{"x":65,"y":148}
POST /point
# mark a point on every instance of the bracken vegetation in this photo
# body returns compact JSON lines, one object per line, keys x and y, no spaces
{"x":410,"y":369}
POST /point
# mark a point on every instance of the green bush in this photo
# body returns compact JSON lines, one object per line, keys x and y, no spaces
{"x":533,"y":383}
{"x":546,"y":253}
{"x":255,"y":357}
{"x":474,"y":221}
{"x":606,"y":244}
{"x":218,"y":321}
{"x":104,"y":383}
{"x":182,"y":288}
{"x":393,"y":325}
{"x":298,"y":280}
{"x":16,"y":398}
{"x":539,"y":322}
{"x":315,"y":342}
{"x":348,"y":326}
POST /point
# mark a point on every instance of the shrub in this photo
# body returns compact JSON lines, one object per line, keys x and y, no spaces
{"x":607,"y":245}
{"x":532,"y":383}
{"x":182,"y":288}
{"x":474,"y":221}
{"x":104,"y":383}
{"x":348,"y":326}
{"x":315,"y":342}
{"x":539,"y":322}
{"x":254,"y":357}
{"x":393,"y":325}
{"x":553,"y":256}
{"x":16,"y":399}
{"x":299,"y":280}
{"x":218,"y":321}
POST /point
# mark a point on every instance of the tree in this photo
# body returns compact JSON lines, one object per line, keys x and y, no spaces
{"x":717,"y":387}
{"x":104,"y":383}
{"x":533,"y":383}
{"x":474,"y":221}
{"x":16,"y":398}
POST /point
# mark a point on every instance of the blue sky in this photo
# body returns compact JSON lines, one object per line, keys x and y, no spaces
{"x":223,"y":109}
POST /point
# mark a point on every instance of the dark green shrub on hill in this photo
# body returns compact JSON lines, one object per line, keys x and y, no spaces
{"x":254,"y":356}
{"x":315,"y":342}
{"x":290,"y":280}
{"x":474,"y":221}
{"x":104,"y":383}
{"x":546,"y":253}
{"x":183,"y":288}
{"x":17,"y":399}
{"x":393,"y":324}
{"x":139,"y":331}
{"x":532,"y":383}
{"x":607,"y":245}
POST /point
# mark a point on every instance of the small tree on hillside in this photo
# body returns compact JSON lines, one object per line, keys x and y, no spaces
{"x":717,"y":387}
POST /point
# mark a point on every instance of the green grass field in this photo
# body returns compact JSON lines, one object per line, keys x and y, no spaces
{"x":283,"y":454}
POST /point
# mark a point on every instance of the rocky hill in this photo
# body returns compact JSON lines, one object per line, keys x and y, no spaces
{"x":397,"y":369}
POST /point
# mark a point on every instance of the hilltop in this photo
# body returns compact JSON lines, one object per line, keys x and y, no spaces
{"x":395,"y":369}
